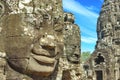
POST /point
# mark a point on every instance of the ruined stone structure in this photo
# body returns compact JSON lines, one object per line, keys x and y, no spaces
{"x":104,"y":63}
{"x":38,"y":41}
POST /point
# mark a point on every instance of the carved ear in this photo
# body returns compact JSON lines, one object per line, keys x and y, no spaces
{"x":2,"y":8}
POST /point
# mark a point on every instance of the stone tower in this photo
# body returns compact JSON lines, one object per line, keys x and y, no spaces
{"x":108,"y":30}
{"x":105,"y":60}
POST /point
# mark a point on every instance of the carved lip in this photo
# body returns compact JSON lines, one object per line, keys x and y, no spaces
{"x":44,"y":54}
{"x":40,"y":51}
{"x":37,"y":68}
{"x":44,"y":50}
{"x":44,"y":59}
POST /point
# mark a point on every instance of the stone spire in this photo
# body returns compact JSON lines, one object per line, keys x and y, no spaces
{"x":107,"y":23}
{"x":106,"y":57}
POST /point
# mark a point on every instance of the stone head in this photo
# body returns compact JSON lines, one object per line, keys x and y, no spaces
{"x":31,"y":46}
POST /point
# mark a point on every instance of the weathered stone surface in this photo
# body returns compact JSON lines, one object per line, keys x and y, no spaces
{"x":70,"y":61}
{"x":104,"y":62}
{"x":35,"y":39}
{"x":71,"y":39}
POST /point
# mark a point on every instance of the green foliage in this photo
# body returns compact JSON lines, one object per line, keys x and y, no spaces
{"x":85,"y":56}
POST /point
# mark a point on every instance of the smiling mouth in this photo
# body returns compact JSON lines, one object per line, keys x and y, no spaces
{"x":44,"y":54}
{"x":41,"y":62}
{"x":44,"y":59}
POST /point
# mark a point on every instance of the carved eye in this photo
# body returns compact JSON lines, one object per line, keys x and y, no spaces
{"x":1,"y":9}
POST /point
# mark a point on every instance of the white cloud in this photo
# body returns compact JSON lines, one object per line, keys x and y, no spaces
{"x":88,"y":32}
{"x":92,"y":8}
{"x":74,"y":6}
{"x":88,"y":39}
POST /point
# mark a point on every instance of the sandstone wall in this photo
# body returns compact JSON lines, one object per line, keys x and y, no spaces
{"x":38,"y":41}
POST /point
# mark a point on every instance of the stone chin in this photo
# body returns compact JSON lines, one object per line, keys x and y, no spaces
{"x":35,"y":65}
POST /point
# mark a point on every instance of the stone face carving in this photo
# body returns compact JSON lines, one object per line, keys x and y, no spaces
{"x":32,"y":42}
{"x":70,"y":61}
{"x":71,"y":39}
{"x":34,"y":54}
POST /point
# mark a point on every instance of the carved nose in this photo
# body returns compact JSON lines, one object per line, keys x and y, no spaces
{"x":46,"y":46}
{"x":47,"y":41}
{"x":76,"y":55}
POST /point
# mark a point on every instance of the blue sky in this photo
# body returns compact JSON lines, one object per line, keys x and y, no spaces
{"x":86,"y":13}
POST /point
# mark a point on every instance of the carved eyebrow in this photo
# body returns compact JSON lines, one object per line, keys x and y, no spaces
{"x":20,"y":35}
{"x":14,"y":36}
